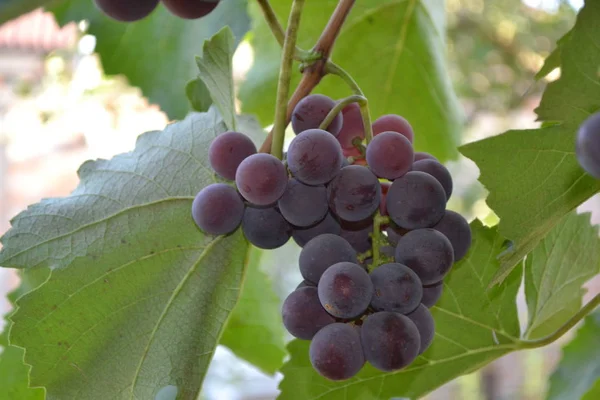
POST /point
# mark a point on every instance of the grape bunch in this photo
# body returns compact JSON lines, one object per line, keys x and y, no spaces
{"x":377,"y":240}
{"x":135,"y":10}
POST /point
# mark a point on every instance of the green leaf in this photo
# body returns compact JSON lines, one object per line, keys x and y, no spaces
{"x":594,"y":392}
{"x":556,"y":270}
{"x":156,"y":53}
{"x":579,"y":368}
{"x":533,"y":176}
{"x":254,"y":331}
{"x":554,"y":59}
{"x":216,"y":71}
{"x":395,"y":51}
{"x":10,"y":9}
{"x":473,"y":327}
{"x":198,"y":95}
{"x":138,"y":296}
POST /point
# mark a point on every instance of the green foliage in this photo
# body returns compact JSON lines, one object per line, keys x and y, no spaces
{"x":216,"y":72}
{"x":157,"y":53}
{"x":473,"y":327}
{"x":533,"y":176}
{"x":394,"y":50}
{"x":10,"y":9}
{"x":198,"y":95}
{"x":579,"y":369}
{"x":555,"y":271}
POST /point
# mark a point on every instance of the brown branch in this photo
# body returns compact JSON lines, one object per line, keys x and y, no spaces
{"x":313,"y":74}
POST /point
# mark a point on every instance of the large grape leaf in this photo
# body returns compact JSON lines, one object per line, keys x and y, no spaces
{"x":394,"y":49}
{"x":156,"y":53}
{"x":138,"y":296}
{"x":533,"y":176}
{"x":555,"y":271}
{"x":473,"y":327}
{"x":579,"y":368}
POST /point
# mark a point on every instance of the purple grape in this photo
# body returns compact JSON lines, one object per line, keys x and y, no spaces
{"x":227,"y":151}
{"x":218,"y":209}
{"x":302,"y":205}
{"x":126,"y":10}
{"x":321,"y":253}
{"x":358,"y":234}
{"x":587,"y":146}
{"x":396,"y":288}
{"x":311,"y":111}
{"x":353,"y":127}
{"x":345,"y":290}
{"x":420,"y":155}
{"x":265,"y":227}
{"x":336,"y":352}
{"x":394,"y":233}
{"x":438,"y":171}
{"x":261,"y":179}
{"x":390,"y":155}
{"x":393,"y":123}
{"x":354,"y":194}
{"x":303,"y":315}
{"x":187,"y":9}
{"x":456,"y":228}
{"x":328,"y":225}
{"x":306,"y":283}
{"x":416,"y":200}
{"x":427,"y":252}
{"x":314,"y":157}
{"x":390,"y":340}
{"x":425,"y":324}
{"x":432,"y":293}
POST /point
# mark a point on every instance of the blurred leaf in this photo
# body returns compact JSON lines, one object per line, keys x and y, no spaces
{"x":254,"y":331}
{"x":554,"y":59}
{"x":556,"y":270}
{"x":198,"y":95}
{"x":473,"y":327}
{"x":138,"y":296}
{"x":594,"y":392}
{"x":10,"y":9}
{"x":156,"y":53}
{"x":579,"y":368}
{"x":533,"y":176}
{"x":216,"y":71}
{"x":395,"y":50}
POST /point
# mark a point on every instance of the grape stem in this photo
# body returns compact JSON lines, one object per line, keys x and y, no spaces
{"x":314,"y":72}
{"x":585,"y":310}
{"x":285,"y":76}
{"x":376,"y":239}
{"x":339,"y":107}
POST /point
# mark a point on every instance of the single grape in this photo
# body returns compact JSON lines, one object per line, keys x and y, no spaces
{"x":456,"y":228}
{"x":314,"y":157}
{"x":393,"y":123}
{"x":390,"y":340}
{"x":345,"y":290}
{"x":425,"y":324}
{"x":190,"y":9}
{"x":227,"y":151}
{"x":416,"y":200}
{"x":438,"y":171}
{"x":353,"y":127}
{"x":126,"y":10}
{"x":311,"y":111}
{"x":321,"y":253}
{"x":328,"y":225}
{"x":396,"y":287}
{"x":218,"y":209}
{"x":587,"y":146}
{"x":354,"y":194}
{"x":420,"y":155}
{"x":336,"y":352}
{"x":390,"y":155}
{"x":358,"y":234}
{"x":303,"y":315}
{"x":303,"y":205}
{"x":427,"y":252}
{"x":306,"y":283}
{"x":265,"y":227}
{"x":261,"y":179}
{"x":432,"y":293}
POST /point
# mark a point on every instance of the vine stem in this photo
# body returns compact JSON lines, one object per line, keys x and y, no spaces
{"x":340,"y":105}
{"x":314,"y":72}
{"x":376,"y":241}
{"x":285,"y":76}
{"x":585,"y":310}
{"x":333,"y":68}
